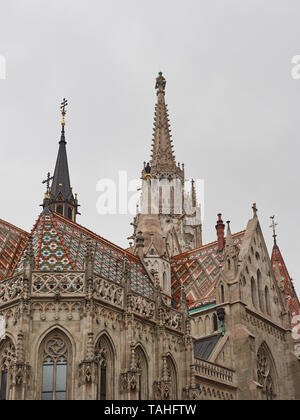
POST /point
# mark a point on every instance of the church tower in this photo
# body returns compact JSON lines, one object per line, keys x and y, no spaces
{"x":168,"y":221}
{"x":59,"y":197}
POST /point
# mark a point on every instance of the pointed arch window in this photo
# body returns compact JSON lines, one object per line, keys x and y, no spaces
{"x":207,"y":325}
{"x":70,"y":213}
{"x":59,"y":209}
{"x":222,"y":294}
{"x":173,"y":378}
{"x":55,"y":367}
{"x":165,"y":281}
{"x":260,"y":292}
{"x":215,"y":322}
{"x":142,"y":372}
{"x":267,"y":301}
{"x":105,"y":358}
{"x":266,"y":373}
{"x":7,"y":360}
{"x":253,"y":292}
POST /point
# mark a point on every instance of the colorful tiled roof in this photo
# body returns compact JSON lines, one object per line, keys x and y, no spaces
{"x":60,"y":245}
{"x":197,"y":271}
{"x":12,"y":244}
{"x":278,"y":264}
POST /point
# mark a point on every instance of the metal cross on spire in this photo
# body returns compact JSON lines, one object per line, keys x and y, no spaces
{"x":273,"y":226}
{"x":49,"y":178}
{"x":63,"y":110}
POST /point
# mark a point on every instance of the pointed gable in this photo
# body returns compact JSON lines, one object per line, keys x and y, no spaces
{"x":279,"y":267}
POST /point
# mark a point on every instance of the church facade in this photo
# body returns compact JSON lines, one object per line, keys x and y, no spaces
{"x":169,"y":318}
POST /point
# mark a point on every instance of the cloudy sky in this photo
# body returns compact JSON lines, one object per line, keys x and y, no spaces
{"x":234,"y":106}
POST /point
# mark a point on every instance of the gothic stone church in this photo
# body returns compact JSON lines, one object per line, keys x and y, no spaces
{"x":168,"y":318}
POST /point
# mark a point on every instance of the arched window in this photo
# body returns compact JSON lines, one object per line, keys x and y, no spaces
{"x":228,"y":264}
{"x":267,"y":300}
{"x":105,"y":358}
{"x":222,"y":294}
{"x":165,"y":281}
{"x":56,"y":357}
{"x":70,"y":213}
{"x":173,"y":377}
{"x":207,"y":325}
{"x":7,"y":360}
{"x":260,"y":292}
{"x":215,"y":322}
{"x":253,"y":292}
{"x":142,"y":372}
{"x":59,"y":209}
{"x":241,"y":285}
{"x":266,"y":372}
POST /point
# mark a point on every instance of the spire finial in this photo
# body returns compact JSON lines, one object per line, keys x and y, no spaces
{"x":160,"y":84}
{"x":63,"y":110}
{"x":254,"y":208}
{"x":273,"y":226}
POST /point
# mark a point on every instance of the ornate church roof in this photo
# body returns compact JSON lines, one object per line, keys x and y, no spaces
{"x":280,"y":269}
{"x":197,"y":271}
{"x":61,"y":245}
{"x":12,"y":244}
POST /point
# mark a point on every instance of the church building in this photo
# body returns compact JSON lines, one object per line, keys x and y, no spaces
{"x":169,"y":318}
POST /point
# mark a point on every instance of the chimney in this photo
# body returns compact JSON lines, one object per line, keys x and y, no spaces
{"x":220,"y":228}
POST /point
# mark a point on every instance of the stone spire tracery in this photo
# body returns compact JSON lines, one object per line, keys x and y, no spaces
{"x":162,"y":158}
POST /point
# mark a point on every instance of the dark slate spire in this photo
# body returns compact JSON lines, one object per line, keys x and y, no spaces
{"x":61,"y":196}
{"x":61,"y":178}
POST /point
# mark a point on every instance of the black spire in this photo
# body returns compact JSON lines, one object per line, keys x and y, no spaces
{"x":61,"y":178}
{"x":61,"y":198}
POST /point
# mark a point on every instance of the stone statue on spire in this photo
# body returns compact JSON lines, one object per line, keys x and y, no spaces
{"x":160,"y":84}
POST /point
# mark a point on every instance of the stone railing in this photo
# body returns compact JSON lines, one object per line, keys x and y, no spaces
{"x":141,"y":305}
{"x":170,"y":318}
{"x":63,"y":283}
{"x":215,"y":372}
{"x":11,"y":289}
{"x":108,"y":291}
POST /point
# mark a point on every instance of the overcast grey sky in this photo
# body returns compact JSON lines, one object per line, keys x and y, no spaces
{"x":234,"y":107}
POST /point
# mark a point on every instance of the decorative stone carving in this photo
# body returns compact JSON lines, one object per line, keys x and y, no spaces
{"x":128,"y":381}
{"x":87,"y":372}
{"x":170,"y":318}
{"x":65,"y":283}
{"x":141,"y":305}
{"x":109,"y":291}
{"x":162,"y":390}
{"x":11,"y":289}
{"x":20,"y":374}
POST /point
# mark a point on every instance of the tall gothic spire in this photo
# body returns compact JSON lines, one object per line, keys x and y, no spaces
{"x":60,"y":196}
{"x":162,"y":158}
{"x":61,"y":178}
